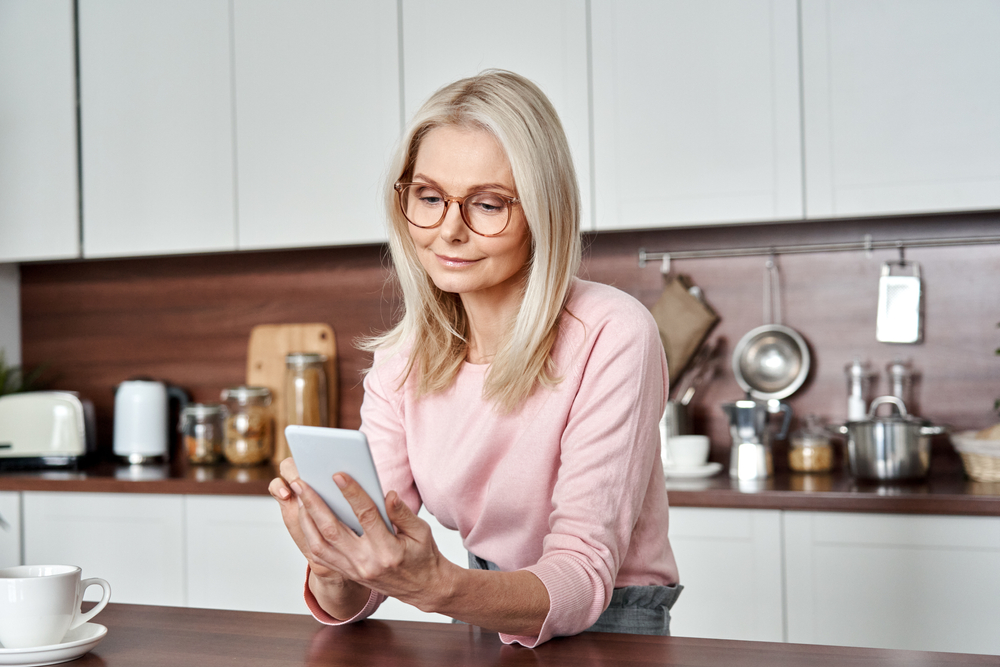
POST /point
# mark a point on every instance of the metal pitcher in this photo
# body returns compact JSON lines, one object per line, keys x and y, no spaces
{"x":750,"y":428}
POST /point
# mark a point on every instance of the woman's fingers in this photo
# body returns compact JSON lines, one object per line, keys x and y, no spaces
{"x":361,"y":503}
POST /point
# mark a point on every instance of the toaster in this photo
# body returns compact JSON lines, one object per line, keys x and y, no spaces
{"x":45,"y":429}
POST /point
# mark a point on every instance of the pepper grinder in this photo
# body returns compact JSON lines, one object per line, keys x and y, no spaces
{"x":859,"y":379}
{"x":901,"y":380}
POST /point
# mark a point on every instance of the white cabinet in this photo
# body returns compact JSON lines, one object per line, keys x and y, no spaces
{"x":696,"y":112}
{"x":39,"y":203}
{"x":928,"y":583}
{"x":135,"y":541}
{"x":156,"y":127}
{"x":10,"y":528}
{"x":730,"y":565}
{"x":239,"y":556}
{"x":318,"y":114}
{"x":902,"y":106}
{"x":445,"y":40}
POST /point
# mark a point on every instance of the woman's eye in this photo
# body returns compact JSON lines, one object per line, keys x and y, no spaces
{"x":489,"y":203}
{"x":429,"y":197}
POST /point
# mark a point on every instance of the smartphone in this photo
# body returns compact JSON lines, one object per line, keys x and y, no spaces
{"x":320,"y":452}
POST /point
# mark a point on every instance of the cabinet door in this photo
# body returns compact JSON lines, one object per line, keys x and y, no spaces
{"x":239,"y":556}
{"x":927,"y":583}
{"x":10,"y":528}
{"x":156,"y":127}
{"x":902,"y":106}
{"x":134,"y":541}
{"x":730,"y":565}
{"x":318,"y":113}
{"x":39,"y":203}
{"x":445,"y":40}
{"x":696,"y":112}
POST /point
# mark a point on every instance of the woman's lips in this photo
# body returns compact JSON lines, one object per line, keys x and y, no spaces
{"x":455,"y":262}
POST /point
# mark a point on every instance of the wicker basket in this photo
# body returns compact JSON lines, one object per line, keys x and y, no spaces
{"x":980,"y":457}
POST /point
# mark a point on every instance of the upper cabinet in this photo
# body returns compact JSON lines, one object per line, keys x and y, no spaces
{"x":156,"y":127}
{"x":902,"y":106}
{"x":39,"y":192}
{"x":696,"y":112}
{"x":317,"y":116}
{"x":445,"y":40}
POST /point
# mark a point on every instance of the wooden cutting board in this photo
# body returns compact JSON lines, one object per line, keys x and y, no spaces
{"x":269,"y":343}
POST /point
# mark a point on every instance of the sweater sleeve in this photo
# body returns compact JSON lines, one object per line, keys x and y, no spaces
{"x":608,"y":450}
{"x":381,"y":422}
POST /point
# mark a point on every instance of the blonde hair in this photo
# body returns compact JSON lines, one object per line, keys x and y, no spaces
{"x":434,"y":325}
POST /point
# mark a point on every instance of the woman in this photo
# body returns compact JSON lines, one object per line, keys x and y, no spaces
{"x":518,"y":403}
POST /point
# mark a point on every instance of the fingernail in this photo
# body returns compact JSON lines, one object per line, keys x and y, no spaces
{"x":283,"y":493}
{"x":340,"y":481}
{"x":297,"y":488}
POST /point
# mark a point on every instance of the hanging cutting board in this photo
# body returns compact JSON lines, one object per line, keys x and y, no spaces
{"x":269,"y":343}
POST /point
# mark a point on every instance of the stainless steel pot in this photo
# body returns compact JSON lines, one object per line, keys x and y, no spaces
{"x":895,"y":447}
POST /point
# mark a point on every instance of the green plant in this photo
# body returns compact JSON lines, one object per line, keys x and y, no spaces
{"x":13,"y":379}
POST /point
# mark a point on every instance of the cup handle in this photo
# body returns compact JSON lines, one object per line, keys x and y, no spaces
{"x":82,"y":618}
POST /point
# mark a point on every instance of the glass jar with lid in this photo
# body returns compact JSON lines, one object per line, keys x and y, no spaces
{"x":810,"y":449}
{"x":202,"y":432}
{"x":306,"y":398}
{"x":249,"y":436}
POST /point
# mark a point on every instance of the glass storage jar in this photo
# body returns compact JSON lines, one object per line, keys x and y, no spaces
{"x":306,"y":399}
{"x":202,"y":432}
{"x":249,"y":438}
{"x":810,"y":449}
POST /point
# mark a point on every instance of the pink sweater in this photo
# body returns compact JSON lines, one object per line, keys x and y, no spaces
{"x":569,"y":486}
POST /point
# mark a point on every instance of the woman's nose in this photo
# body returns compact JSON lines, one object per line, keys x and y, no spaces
{"x":453,"y":226}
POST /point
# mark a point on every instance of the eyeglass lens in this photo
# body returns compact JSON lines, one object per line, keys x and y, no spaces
{"x":425,"y":206}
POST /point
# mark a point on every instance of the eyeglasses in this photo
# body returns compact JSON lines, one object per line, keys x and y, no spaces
{"x":425,"y":206}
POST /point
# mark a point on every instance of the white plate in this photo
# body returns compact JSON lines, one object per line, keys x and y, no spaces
{"x":76,"y":642}
{"x":706,"y":470}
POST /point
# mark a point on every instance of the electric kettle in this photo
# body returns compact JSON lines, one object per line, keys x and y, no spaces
{"x":143,"y":428}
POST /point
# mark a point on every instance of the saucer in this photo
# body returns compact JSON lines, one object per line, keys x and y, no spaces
{"x":76,"y":642}
{"x":706,"y":470}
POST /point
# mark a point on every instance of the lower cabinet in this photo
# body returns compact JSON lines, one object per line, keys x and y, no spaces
{"x":730,"y":566}
{"x":134,"y":541}
{"x":928,"y":583}
{"x":219,"y":552}
{"x":10,"y":528}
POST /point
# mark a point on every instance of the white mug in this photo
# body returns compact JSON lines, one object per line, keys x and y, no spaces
{"x":39,"y":604}
{"x":688,"y":451}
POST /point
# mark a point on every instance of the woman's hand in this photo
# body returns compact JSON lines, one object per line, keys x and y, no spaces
{"x":335,"y":593}
{"x":406,"y":566}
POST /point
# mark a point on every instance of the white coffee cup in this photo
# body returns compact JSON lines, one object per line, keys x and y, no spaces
{"x":39,"y":604}
{"x":687,"y":451}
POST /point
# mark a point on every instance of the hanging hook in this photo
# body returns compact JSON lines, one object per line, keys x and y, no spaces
{"x":665,"y":264}
{"x":902,"y":253}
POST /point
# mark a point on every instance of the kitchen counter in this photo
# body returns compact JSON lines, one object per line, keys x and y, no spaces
{"x":945,"y":491}
{"x":154,"y":636}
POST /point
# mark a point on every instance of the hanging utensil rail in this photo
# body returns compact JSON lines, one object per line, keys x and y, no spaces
{"x":867,"y":244}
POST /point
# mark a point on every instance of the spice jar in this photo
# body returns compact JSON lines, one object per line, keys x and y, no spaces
{"x":306,"y":398}
{"x":202,"y":432}
{"x":810,"y":449}
{"x":249,"y":436}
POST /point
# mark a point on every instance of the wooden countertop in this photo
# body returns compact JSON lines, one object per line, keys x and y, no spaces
{"x":945,"y":491}
{"x":170,"y":636}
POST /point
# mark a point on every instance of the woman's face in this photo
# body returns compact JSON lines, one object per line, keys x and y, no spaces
{"x":488,"y":270}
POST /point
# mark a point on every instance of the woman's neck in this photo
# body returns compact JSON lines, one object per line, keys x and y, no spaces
{"x":489,"y":323}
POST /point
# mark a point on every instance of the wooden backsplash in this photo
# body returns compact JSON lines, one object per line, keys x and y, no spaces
{"x":187,"y":319}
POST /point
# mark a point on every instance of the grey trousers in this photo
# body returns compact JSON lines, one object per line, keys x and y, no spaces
{"x":635,"y":610}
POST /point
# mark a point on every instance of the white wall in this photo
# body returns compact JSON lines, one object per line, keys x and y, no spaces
{"x":10,"y":312}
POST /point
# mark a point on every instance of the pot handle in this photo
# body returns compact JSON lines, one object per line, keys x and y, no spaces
{"x":933,"y":430}
{"x":882,"y":400}
{"x":839,"y":429}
